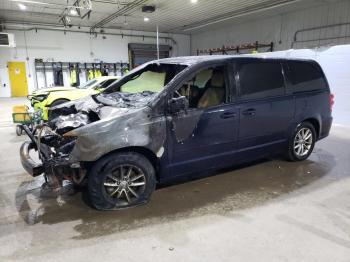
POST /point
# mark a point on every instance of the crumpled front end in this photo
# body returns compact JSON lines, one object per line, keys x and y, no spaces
{"x":53,"y":157}
{"x":86,"y":130}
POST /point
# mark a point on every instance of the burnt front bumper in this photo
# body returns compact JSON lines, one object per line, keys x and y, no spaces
{"x":33,"y":168}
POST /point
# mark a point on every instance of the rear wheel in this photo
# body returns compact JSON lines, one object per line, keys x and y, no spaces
{"x":302,"y":142}
{"x":53,"y":115}
{"x":121,"y":180}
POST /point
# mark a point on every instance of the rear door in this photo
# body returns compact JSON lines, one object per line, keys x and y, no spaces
{"x":311,"y":91}
{"x":266,"y":111}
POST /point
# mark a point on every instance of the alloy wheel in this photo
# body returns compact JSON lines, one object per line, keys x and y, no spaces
{"x":303,"y":142}
{"x":125,"y":184}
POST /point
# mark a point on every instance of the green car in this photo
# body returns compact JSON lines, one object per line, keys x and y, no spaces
{"x":43,"y":99}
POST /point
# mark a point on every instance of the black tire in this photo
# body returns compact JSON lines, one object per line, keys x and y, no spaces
{"x":106,"y":197}
{"x":295,"y":148}
{"x":19,"y":130}
{"x":57,"y":102}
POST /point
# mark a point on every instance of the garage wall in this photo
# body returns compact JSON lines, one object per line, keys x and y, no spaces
{"x":73,"y":47}
{"x":280,"y":29}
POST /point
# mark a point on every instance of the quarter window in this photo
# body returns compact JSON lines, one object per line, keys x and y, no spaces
{"x":306,"y":76}
{"x":259,"y":79}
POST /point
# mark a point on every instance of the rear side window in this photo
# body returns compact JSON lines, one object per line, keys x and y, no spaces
{"x":306,"y":76}
{"x":259,"y":79}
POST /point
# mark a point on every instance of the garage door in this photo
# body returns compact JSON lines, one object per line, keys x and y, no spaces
{"x":142,"y":53}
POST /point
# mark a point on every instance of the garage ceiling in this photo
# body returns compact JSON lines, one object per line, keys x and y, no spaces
{"x":172,"y":16}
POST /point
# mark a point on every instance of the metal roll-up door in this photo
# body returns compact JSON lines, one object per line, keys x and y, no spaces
{"x":142,"y":53}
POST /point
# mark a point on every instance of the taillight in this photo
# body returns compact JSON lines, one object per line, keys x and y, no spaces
{"x":331,"y":101}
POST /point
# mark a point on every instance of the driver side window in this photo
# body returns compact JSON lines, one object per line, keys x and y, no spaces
{"x":206,"y":89}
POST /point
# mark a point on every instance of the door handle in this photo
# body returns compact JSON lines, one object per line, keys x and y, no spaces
{"x":228,"y":115}
{"x":249,"y":112}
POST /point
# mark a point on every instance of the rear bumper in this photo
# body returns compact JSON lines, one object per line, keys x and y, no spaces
{"x":33,"y":168}
{"x":326,"y":127}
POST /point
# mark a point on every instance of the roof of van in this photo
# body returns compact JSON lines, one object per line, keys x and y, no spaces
{"x":190,"y":60}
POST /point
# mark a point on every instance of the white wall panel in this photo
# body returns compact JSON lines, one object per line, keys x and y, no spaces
{"x":281,"y":28}
{"x":73,"y":47}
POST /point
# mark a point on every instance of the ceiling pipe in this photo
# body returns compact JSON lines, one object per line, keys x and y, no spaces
{"x":109,"y":2}
{"x":21,"y":23}
{"x":88,"y":32}
{"x":318,"y":28}
{"x":122,"y":11}
{"x":236,"y":14}
{"x":318,"y":40}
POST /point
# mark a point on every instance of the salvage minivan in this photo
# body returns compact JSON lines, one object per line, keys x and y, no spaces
{"x":173,"y":117}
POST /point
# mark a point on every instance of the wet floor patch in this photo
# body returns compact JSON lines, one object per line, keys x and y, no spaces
{"x":232,"y":191}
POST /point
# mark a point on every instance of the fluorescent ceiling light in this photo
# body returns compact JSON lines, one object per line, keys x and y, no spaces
{"x":33,"y":2}
{"x":146,"y":19}
{"x":194,"y":1}
{"x":22,"y":6}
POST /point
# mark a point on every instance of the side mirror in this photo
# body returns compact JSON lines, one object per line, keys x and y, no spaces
{"x":177,"y":104}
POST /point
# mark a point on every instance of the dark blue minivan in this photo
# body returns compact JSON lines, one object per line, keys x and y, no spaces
{"x":173,"y":117}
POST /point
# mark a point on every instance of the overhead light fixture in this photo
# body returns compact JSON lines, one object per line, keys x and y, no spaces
{"x":73,"y":11}
{"x":22,"y":6}
{"x":148,"y":9}
{"x":194,"y":1}
{"x":146,"y":19}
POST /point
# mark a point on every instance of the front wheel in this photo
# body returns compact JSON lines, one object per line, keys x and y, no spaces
{"x":302,"y":142}
{"x":19,"y":130}
{"x":121,"y":180}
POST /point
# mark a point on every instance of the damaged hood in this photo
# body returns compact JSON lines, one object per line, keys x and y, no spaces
{"x":96,"y":108}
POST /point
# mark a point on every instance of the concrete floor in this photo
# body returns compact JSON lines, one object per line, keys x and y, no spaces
{"x":270,"y":211}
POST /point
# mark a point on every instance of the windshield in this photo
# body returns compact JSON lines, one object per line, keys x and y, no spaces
{"x":150,"y":79}
{"x":88,"y":84}
{"x":146,"y":81}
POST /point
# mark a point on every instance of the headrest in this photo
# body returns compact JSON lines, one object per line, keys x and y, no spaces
{"x":217,"y":80}
{"x":203,"y":77}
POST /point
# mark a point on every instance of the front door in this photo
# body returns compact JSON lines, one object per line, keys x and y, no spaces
{"x":18,"y":78}
{"x":205,"y":136}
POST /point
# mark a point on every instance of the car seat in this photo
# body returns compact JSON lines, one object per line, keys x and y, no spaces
{"x":215,"y":92}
